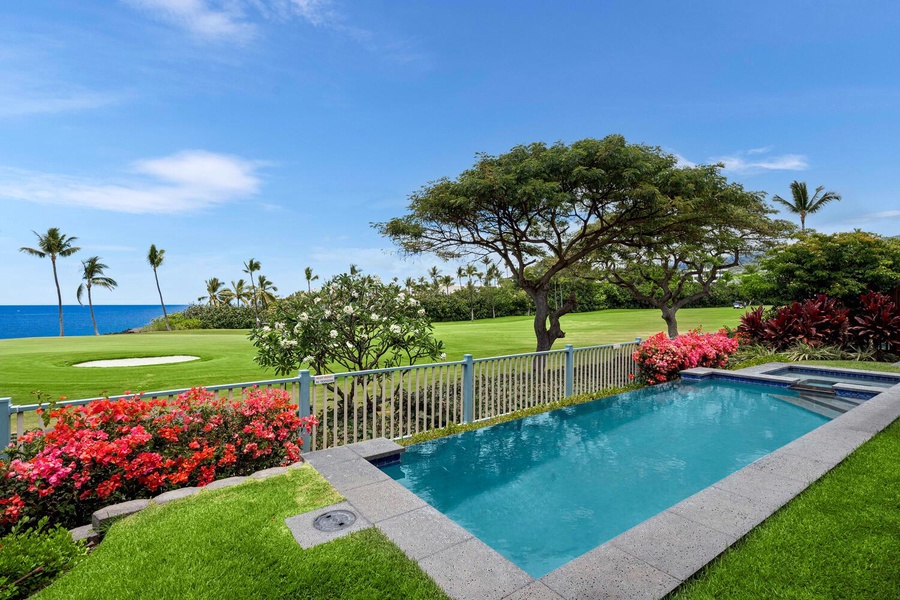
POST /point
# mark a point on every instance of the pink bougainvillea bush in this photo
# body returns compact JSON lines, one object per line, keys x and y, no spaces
{"x":110,"y":451}
{"x":660,"y":359}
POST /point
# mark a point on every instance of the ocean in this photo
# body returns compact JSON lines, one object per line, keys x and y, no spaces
{"x":43,"y":321}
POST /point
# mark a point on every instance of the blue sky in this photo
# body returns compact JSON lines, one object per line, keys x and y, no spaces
{"x":280,"y":129}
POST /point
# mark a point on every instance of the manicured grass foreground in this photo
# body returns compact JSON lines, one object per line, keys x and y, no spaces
{"x":233,"y":543}
{"x":838,"y":539}
{"x":226,"y":356}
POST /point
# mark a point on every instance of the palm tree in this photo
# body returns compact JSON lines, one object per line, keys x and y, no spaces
{"x":250,"y":267}
{"x":471,"y":272}
{"x":309,"y":278}
{"x":447,"y":281}
{"x":225,"y":297}
{"x":460,"y":273}
{"x":265,"y":291}
{"x":155,"y":258}
{"x":492,"y":274}
{"x":53,"y":244}
{"x":802,"y":204}
{"x":213,"y":292}
{"x":239,"y":292}
{"x":435,"y":275}
{"x":93,"y":276}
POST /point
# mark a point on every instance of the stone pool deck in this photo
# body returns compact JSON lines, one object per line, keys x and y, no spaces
{"x":647,"y":561}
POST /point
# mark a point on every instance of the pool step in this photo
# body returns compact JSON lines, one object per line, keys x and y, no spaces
{"x":819,"y":407}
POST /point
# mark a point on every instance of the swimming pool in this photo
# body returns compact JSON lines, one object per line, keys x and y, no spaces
{"x":548,"y":488}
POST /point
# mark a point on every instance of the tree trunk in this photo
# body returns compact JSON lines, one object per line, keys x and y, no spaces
{"x":91,"y":306}
{"x":58,"y":295}
{"x":668,"y":315}
{"x":545,"y":335}
{"x":159,"y":291}
{"x":802,"y":222}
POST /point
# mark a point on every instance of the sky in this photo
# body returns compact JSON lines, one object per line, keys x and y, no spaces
{"x":279,"y":130}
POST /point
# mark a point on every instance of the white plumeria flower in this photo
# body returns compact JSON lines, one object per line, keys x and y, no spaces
{"x":266,"y":328}
{"x":421,"y":312}
{"x":443,"y":356}
{"x":308,"y":359}
{"x":279,"y":326}
{"x":401,"y":296}
{"x":333,"y":333}
{"x":327,"y":313}
{"x":317,"y":300}
{"x":348,"y":310}
{"x":374,"y":316}
{"x":303,"y":317}
{"x":395,"y":329}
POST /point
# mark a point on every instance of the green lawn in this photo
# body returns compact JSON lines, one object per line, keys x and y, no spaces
{"x":233,"y":543}
{"x":227,"y":356}
{"x":838,"y":539}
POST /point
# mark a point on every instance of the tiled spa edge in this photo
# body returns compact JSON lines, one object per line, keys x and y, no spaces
{"x":647,"y":561}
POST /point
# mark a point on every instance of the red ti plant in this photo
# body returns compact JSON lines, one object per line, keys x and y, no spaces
{"x":877,"y":326}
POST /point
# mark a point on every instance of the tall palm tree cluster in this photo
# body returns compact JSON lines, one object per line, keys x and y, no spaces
{"x":55,"y":244}
{"x":257,"y":294}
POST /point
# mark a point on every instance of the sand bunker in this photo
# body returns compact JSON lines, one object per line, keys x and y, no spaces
{"x":137,"y":362}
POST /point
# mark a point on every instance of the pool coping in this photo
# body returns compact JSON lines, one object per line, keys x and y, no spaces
{"x":647,"y":561}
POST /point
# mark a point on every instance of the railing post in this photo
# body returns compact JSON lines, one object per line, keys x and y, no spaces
{"x":468,"y":388}
{"x":570,"y":369}
{"x":5,"y":433}
{"x":637,"y":341}
{"x":304,"y":404}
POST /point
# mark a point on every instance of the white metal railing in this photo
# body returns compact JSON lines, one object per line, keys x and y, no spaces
{"x":402,"y":401}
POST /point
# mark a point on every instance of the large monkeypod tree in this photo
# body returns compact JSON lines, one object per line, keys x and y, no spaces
{"x":542,"y":210}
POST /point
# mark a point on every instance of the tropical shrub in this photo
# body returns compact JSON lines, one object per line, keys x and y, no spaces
{"x":354,"y":320}
{"x":110,"y":451}
{"x":32,"y":556}
{"x":841,"y":265}
{"x":817,"y":321}
{"x":177,"y":321}
{"x":876,"y":326}
{"x":219,"y":316}
{"x":660,"y":358}
{"x":803,"y":351}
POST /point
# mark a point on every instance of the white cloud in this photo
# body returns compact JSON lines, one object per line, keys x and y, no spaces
{"x":317,"y":12}
{"x":681,"y":161}
{"x":225,"y":20}
{"x":22,"y":103}
{"x":185,"y":182}
{"x":232,"y":20}
{"x":763,"y":150}
{"x":785,"y":162}
{"x":753,"y":160}
{"x":33,"y":83}
{"x":888,"y":214}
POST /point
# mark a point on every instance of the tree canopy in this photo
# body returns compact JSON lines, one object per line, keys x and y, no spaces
{"x":729,"y":225}
{"x":543,"y":209}
{"x":841,"y":265}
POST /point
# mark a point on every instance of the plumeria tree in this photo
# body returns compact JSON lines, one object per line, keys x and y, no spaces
{"x":355,"y":321}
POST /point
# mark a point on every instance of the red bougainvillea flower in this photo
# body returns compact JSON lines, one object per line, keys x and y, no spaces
{"x":108,"y":451}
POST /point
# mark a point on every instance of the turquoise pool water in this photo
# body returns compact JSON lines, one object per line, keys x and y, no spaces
{"x":546,"y":489}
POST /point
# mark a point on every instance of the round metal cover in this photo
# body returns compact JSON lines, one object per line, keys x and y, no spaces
{"x":334,"y":520}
